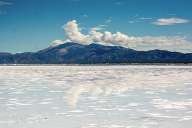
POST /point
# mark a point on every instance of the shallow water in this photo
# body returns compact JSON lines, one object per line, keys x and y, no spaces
{"x":95,"y":96}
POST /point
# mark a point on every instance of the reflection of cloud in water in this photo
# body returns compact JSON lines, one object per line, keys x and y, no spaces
{"x":108,"y":82}
{"x":102,"y":90}
{"x":112,"y":96}
{"x":168,"y":104}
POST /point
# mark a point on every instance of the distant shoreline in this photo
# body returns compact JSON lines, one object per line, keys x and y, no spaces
{"x":115,"y":64}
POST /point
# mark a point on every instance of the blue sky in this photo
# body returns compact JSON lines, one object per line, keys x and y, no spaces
{"x":30,"y":25}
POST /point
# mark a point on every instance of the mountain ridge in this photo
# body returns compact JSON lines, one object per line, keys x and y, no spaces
{"x":74,"y":53}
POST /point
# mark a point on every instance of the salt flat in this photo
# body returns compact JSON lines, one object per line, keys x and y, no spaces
{"x":96,"y":96}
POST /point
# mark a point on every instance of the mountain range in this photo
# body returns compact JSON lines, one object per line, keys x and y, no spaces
{"x":74,"y":53}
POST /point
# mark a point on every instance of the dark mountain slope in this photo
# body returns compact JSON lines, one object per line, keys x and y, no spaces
{"x":73,"y":53}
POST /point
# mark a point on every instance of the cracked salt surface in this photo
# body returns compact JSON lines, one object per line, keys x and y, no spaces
{"x":95,"y":96}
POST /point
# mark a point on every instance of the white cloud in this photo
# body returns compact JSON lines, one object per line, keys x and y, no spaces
{"x":109,"y":20}
{"x":145,"y":18}
{"x":170,"y":21}
{"x":172,"y":14}
{"x":59,"y":42}
{"x":172,"y":43}
{"x":85,"y":15}
{"x":99,"y":27}
{"x":2,"y":3}
{"x":56,"y":43}
{"x":118,"y":3}
{"x":131,"y":22}
{"x":74,"y":34}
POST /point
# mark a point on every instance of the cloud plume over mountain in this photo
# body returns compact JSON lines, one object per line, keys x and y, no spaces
{"x":172,"y":43}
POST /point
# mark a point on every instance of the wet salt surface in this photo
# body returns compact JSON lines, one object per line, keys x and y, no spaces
{"x":95,"y":96}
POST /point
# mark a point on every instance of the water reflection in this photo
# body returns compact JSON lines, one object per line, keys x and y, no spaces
{"x":96,"y":96}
